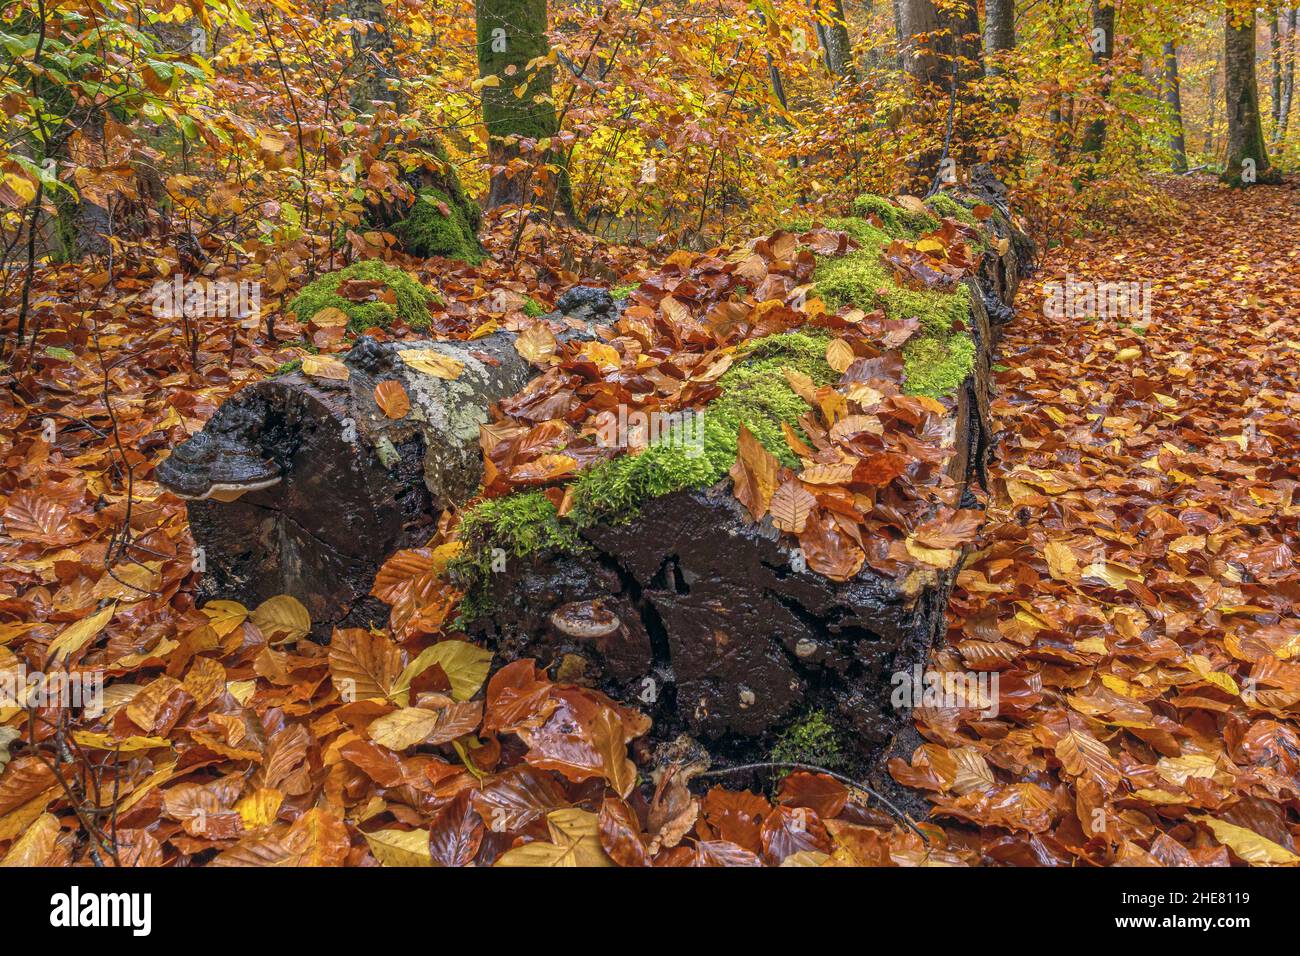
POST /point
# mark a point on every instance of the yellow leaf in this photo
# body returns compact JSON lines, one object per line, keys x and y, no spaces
{"x":1248,"y":844}
{"x":536,"y":343}
{"x":403,"y":728}
{"x":260,"y":807}
{"x":936,"y":557}
{"x":433,"y":362}
{"x":1125,"y":355}
{"x":98,"y":741}
{"x":36,"y":844}
{"x":282,"y":616}
{"x":839,"y":354}
{"x":329,"y":317}
{"x":1061,"y":561}
{"x":79,"y":634}
{"x":225,"y":616}
{"x":325,"y":366}
{"x":465,"y":664}
{"x":575,"y":841}
{"x":400,"y":847}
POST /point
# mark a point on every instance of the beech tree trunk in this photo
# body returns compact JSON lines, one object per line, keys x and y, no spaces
{"x":1103,"y":49}
{"x":999,"y":32}
{"x":1247,"y":158}
{"x":373,"y":49}
{"x":1275,"y":64}
{"x":1173,"y":96}
{"x":1288,"y":77}
{"x":511,"y":33}
{"x":836,"y":45}
{"x":926,"y":48}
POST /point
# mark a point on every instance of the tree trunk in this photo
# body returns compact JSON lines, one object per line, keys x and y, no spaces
{"x":1103,"y":48}
{"x":1212,"y":97}
{"x":303,"y":486}
{"x":835,"y":39}
{"x":999,"y":32}
{"x":1173,"y":96}
{"x":1275,"y":64}
{"x":1288,"y":78}
{"x":511,"y":33}
{"x":373,"y":49}
{"x":1247,"y":158}
{"x":927,"y":49}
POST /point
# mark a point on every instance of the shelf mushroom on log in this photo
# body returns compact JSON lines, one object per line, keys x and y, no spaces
{"x":302,"y":484}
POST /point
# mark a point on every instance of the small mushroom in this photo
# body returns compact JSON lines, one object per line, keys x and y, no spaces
{"x":747,"y":697}
{"x":585,"y":620}
{"x":806,"y":647}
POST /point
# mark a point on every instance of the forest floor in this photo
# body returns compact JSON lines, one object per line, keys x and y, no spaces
{"x":1134,"y":591}
{"x":1136,"y":585}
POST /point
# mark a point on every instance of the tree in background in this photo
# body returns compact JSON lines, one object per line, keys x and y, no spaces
{"x":1247,"y":159}
{"x":515,"y":76}
{"x":1173,"y":97}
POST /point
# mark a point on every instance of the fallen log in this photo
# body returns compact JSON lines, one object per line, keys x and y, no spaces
{"x":720,"y":627}
{"x":302,"y":484}
{"x":715,"y":624}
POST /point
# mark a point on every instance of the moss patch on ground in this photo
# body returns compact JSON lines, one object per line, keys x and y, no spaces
{"x":900,"y":223}
{"x":427,"y":231}
{"x":412,"y":298}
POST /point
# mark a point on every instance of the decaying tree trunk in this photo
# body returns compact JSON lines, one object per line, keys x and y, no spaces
{"x":711,"y":623}
{"x":303,"y":486}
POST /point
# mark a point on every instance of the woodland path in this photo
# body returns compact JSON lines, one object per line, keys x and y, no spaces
{"x":1136,"y":586}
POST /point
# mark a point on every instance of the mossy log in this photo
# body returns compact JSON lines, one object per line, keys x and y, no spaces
{"x":712,"y":623}
{"x":302,"y":485}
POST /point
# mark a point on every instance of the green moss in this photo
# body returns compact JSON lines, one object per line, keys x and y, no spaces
{"x":755,"y":393}
{"x":937,"y":366}
{"x":944,"y":205}
{"x":900,"y":223}
{"x":426,"y":231}
{"x":518,"y":524}
{"x":534,"y":308}
{"x":285,"y":368}
{"x":859,"y":229}
{"x":621,"y":292}
{"x":861,"y":278}
{"x":411,"y":297}
{"x":810,"y":740}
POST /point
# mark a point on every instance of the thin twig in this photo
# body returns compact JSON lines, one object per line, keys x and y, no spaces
{"x":898,"y":814}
